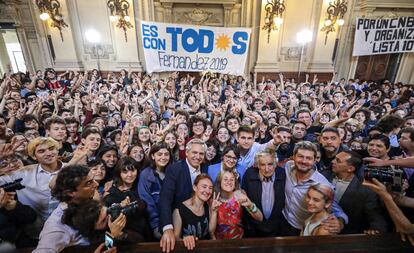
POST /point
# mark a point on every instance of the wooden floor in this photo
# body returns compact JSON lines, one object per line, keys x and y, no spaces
{"x":389,"y":243}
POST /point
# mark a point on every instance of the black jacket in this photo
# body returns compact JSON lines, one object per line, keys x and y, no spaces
{"x":253,"y":187}
{"x":11,"y":222}
{"x":137,"y":218}
{"x":362,"y":207}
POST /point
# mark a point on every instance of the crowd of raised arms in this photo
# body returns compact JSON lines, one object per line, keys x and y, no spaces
{"x":196,"y":157}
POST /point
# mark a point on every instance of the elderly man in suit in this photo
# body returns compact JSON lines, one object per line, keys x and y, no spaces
{"x":265,"y":187}
{"x":177,"y":187}
{"x":357,"y":201}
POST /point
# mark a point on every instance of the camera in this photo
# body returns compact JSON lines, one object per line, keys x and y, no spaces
{"x":13,"y":186}
{"x":116,"y":209}
{"x":392,"y":178}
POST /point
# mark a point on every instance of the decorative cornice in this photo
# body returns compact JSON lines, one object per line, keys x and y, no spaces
{"x":98,"y":51}
{"x":379,"y":4}
{"x":292,"y":53}
{"x":201,"y":1}
{"x":198,"y":16}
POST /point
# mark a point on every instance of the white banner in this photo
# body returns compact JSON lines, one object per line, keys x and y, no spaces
{"x":175,"y":47}
{"x":384,"y":36}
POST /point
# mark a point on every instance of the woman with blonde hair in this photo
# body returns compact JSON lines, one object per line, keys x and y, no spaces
{"x":319,"y":201}
{"x":227,"y":207}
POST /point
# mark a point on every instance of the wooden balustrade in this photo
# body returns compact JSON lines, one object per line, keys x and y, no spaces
{"x":389,"y":243}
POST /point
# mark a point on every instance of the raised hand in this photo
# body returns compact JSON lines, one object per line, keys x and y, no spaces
{"x":207,"y":134}
{"x":60,"y":91}
{"x":8,"y":95}
{"x":10,"y":148}
{"x":278,"y":138}
{"x":181,"y":141}
{"x":217,"y":111}
{"x":124,"y":140}
{"x":163,"y":85}
{"x":172,"y":122}
{"x":80,"y":152}
{"x":33,"y":76}
{"x":315,"y":78}
{"x":215,"y":203}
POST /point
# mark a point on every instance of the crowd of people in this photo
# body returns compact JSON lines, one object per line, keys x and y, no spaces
{"x":194,"y":157}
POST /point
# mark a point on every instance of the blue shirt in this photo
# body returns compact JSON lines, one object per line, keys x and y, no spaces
{"x":295,"y":210}
{"x":215,"y":169}
{"x":247,"y":160}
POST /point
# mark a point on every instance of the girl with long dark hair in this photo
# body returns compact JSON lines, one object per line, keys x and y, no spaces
{"x":124,"y":191}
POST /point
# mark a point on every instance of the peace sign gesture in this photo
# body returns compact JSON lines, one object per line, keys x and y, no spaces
{"x":9,"y":148}
{"x":80,"y":155}
{"x":156,"y":134}
{"x":181,"y":141}
{"x":215,"y":203}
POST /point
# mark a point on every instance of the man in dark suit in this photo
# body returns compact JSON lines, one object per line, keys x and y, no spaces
{"x":265,"y":187}
{"x":177,"y":187}
{"x":358,"y":202}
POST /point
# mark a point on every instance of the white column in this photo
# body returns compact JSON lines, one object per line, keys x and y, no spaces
{"x":405,"y":72}
{"x":4,"y":57}
{"x":268,"y":46}
{"x":320,"y":53}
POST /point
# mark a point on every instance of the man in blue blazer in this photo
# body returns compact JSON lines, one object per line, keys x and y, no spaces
{"x":177,"y":187}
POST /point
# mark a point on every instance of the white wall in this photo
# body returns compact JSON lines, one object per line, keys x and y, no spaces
{"x":279,"y":55}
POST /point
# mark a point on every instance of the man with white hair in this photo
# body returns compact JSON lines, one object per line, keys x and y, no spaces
{"x":265,"y":187}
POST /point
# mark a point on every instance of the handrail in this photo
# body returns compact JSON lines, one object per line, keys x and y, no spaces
{"x":387,"y":243}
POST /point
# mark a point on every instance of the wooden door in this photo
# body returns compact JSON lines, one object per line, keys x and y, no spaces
{"x":377,"y":67}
